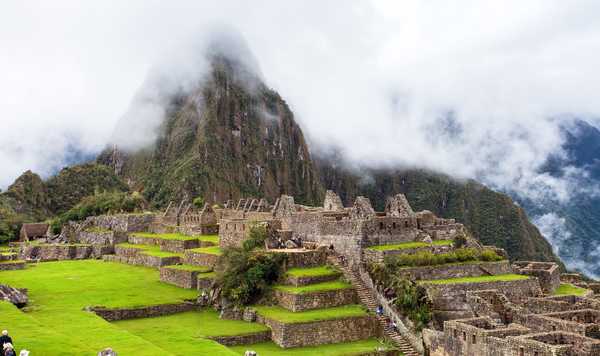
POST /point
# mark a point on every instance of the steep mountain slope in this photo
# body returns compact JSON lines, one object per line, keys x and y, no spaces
{"x":30,"y":199}
{"x":228,"y":138}
{"x":491,"y":216}
{"x":233,"y":137}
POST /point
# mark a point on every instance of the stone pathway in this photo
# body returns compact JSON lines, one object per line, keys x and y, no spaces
{"x":368,"y":299}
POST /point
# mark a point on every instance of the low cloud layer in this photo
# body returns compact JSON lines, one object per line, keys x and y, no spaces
{"x":478,"y":90}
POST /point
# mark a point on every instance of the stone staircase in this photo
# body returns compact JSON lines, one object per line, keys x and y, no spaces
{"x":367,"y":298}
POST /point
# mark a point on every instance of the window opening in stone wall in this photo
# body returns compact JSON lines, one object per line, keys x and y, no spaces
{"x":380,"y":226}
{"x":521,"y":352}
{"x":474,"y":339}
{"x":464,"y":336}
{"x":394,"y":225}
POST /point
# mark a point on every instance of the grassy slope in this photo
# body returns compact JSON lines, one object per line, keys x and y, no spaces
{"x":407,"y":245}
{"x":316,"y":287}
{"x":569,"y":289}
{"x":182,"y":333}
{"x":151,"y":250}
{"x":173,"y":236}
{"x":211,"y":250}
{"x":312,"y":271}
{"x":481,"y":279}
{"x":286,"y":316}
{"x":345,"y":349}
{"x":60,"y":290}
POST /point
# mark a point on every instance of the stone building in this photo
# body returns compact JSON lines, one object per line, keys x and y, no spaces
{"x":34,"y":231}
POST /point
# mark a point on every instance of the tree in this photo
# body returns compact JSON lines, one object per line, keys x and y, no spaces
{"x":198,"y":202}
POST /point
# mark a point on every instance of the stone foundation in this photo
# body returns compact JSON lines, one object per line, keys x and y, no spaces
{"x":175,"y":246}
{"x":143,"y":260}
{"x":322,"y":332}
{"x":299,"y":258}
{"x":302,"y":281}
{"x":143,"y":312}
{"x":58,"y":252}
{"x":199,"y":259}
{"x":247,"y":339}
{"x":307,"y":301}
{"x":12,"y":265}
{"x":180,"y":278}
{"x":474,"y":269}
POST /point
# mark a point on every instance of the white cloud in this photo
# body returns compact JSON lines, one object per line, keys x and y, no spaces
{"x":377,"y":79}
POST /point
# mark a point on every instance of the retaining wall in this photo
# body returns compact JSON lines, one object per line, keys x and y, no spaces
{"x":317,"y":300}
{"x":114,"y":314}
{"x":475,"y":269}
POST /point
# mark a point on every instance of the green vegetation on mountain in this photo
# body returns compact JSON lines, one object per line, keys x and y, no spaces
{"x":98,"y":204}
{"x":228,"y":139}
{"x":72,"y":184}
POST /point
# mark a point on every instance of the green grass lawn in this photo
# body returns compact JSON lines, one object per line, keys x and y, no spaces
{"x":173,"y":236}
{"x":345,"y":349}
{"x":209,"y":238}
{"x":183,"y":333}
{"x":481,"y":279}
{"x":569,"y":289}
{"x":408,"y":245}
{"x":211,"y":250}
{"x":316,"y":287}
{"x":312,"y":271}
{"x":286,"y":316}
{"x":190,"y":268}
{"x":150,"y":250}
{"x":56,"y":323}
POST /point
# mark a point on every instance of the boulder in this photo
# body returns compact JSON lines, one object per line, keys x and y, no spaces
{"x":16,"y":296}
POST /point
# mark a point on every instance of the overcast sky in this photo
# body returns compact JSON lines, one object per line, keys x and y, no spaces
{"x":471,"y":88}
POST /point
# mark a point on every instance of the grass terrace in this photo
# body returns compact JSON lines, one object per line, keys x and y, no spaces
{"x":285,"y":316}
{"x":312,"y":271}
{"x":190,"y":268}
{"x":150,"y":250}
{"x":55,"y":322}
{"x":97,"y":229}
{"x":480,"y":279}
{"x":186,"y":333}
{"x":410,"y":245}
{"x":211,"y":250}
{"x":569,"y":289}
{"x":172,"y":236}
{"x":209,"y":238}
{"x":316,"y":287}
{"x":341,"y":349}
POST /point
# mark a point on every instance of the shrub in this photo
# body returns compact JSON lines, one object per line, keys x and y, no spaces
{"x":412,"y":300}
{"x":490,"y":255}
{"x":245,"y":274}
{"x":198,"y":202}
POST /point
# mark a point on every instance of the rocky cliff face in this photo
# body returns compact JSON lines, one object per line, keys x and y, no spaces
{"x":492,"y":217}
{"x":227,"y":139}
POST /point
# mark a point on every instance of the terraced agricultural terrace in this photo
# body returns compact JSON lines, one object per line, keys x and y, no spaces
{"x":286,"y":279}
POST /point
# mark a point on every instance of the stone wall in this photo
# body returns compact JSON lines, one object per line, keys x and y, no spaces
{"x":304,"y":258}
{"x":584,"y":322}
{"x":54,"y":252}
{"x":123,"y":222}
{"x":247,"y":339}
{"x":474,"y":269}
{"x":322,"y":332}
{"x":12,"y":265}
{"x":302,"y":281}
{"x":317,"y":300}
{"x":548,"y":273}
{"x":179,"y":277}
{"x":199,"y":259}
{"x":99,"y":237}
{"x":115,"y":314}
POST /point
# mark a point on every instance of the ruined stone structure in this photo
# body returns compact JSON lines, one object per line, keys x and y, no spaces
{"x":30,"y":232}
{"x":347,"y":230}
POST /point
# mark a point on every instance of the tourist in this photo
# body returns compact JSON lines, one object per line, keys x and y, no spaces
{"x":9,"y":350}
{"x":379,"y":310}
{"x":24,"y":353}
{"x":5,"y":339}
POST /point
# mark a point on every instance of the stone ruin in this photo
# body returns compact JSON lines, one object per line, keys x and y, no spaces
{"x":16,"y":296}
{"x":332,"y":202}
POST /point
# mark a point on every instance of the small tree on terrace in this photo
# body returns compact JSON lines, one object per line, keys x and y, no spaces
{"x":198,"y":202}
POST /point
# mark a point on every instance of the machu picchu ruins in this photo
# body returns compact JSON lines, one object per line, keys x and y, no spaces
{"x":330,"y":292}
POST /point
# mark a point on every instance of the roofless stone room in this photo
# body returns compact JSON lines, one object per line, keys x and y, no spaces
{"x":299,"y":178}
